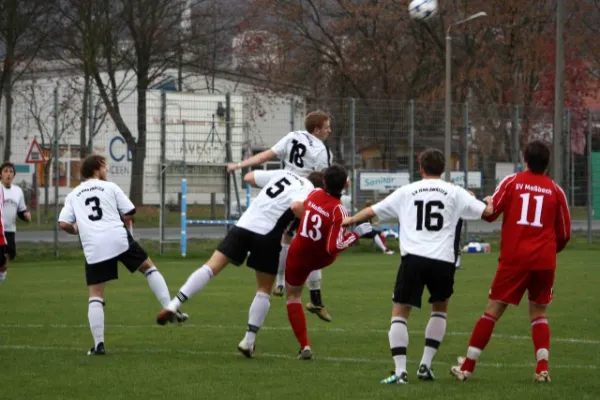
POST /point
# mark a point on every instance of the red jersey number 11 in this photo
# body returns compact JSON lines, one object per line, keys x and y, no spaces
{"x":537,"y":220}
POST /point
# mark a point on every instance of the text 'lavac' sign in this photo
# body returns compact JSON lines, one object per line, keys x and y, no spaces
{"x":382,"y":180}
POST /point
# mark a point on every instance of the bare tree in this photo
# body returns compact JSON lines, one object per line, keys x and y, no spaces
{"x":40,"y":104}
{"x":23,"y":29}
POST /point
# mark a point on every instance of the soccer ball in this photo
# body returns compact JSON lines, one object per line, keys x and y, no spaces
{"x":422,"y":10}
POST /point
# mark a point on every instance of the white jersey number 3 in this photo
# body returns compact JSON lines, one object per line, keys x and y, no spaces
{"x":537,"y":219}
{"x":314,"y":232}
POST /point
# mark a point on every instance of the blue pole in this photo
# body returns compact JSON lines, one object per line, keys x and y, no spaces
{"x":183,"y":240}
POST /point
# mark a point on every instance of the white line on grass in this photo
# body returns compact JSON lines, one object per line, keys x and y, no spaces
{"x":280,"y":328}
{"x":274,"y":355}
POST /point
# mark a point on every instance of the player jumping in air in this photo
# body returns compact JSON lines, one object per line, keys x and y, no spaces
{"x":257,"y":237}
{"x":93,"y":210}
{"x":301,"y":152}
{"x":320,"y":239}
{"x":427,"y":211}
{"x":535,"y":227}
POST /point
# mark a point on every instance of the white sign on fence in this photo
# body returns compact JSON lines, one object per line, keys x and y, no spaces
{"x":458,"y":178}
{"x":382,"y":180}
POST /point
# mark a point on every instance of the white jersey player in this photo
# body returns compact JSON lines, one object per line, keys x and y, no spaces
{"x":94,"y":210}
{"x":14,"y":206}
{"x":428,"y":212}
{"x":256,"y":239}
{"x":301,"y":152}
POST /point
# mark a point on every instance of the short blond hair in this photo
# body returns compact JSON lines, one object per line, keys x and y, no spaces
{"x":314,"y":120}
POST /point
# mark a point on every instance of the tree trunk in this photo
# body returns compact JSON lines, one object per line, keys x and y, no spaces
{"x":138,"y":150}
{"x":83,"y":143}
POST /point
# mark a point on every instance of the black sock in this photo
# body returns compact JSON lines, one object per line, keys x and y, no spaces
{"x":315,"y":297}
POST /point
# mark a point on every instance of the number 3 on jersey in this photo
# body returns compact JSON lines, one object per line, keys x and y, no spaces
{"x":314,"y":232}
{"x":97,"y":215}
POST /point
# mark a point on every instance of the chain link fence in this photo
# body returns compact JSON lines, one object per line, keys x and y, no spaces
{"x":194,"y":135}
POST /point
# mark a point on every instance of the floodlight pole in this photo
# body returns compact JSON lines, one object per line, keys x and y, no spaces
{"x":448,"y":99}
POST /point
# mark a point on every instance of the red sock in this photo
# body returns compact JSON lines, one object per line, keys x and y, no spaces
{"x":540,"y":333}
{"x":382,"y":236}
{"x":298,"y":322}
{"x":482,"y":332}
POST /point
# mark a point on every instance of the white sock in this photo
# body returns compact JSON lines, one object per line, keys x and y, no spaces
{"x":379,"y":243}
{"x":434,"y":334}
{"x":195,"y":283}
{"x":158,"y":285}
{"x":458,"y":261}
{"x":257,"y":314}
{"x":314,"y":280}
{"x":398,"y":343}
{"x":281,"y":269}
{"x":96,"y":318}
{"x":2,"y":277}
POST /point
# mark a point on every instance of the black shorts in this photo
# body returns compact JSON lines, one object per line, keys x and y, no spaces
{"x":372,"y":234}
{"x":11,"y":247}
{"x":416,"y":272}
{"x":263,"y":249}
{"x":457,"y":234}
{"x":3,"y":256}
{"x":108,"y":270}
{"x":292,"y":227}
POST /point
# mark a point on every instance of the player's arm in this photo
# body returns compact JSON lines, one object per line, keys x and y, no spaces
{"x":338,"y":238}
{"x":66,"y":218}
{"x":386,"y":210}
{"x":259,"y":179}
{"x":500,"y":197}
{"x":298,"y":209}
{"x":470,"y":208}
{"x":124,"y":205}
{"x":563,"y":221}
{"x":22,"y":212}
{"x":276,"y":151}
{"x":363,"y":215}
{"x":256,"y":159}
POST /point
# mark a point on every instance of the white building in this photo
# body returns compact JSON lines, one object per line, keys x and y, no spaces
{"x":258,"y":119}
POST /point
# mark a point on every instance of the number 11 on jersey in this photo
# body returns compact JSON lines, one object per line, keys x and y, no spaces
{"x":537,"y":219}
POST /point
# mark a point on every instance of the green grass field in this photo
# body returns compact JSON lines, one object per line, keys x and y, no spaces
{"x":44,"y":336}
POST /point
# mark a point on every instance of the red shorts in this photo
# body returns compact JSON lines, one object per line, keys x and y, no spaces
{"x":509,"y":285}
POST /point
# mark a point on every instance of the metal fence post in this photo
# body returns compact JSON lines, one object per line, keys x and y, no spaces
{"x":91,"y":120}
{"x":516,"y":138}
{"x":353,"y":157}
{"x":56,"y":172}
{"x":567,"y":157}
{"x":411,"y":140}
{"x":466,"y":161}
{"x":292,"y":115}
{"x":590,"y":208}
{"x":162,"y":169}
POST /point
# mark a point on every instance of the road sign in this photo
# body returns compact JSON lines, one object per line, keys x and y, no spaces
{"x":35,"y":155}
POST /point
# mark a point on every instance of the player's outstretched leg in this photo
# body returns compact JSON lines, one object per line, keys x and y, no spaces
{"x":316,"y":303}
{"x":3,"y":268}
{"x":195,"y":283}
{"x":398,"y":336}
{"x":434,"y":334}
{"x":480,"y":337}
{"x":96,"y":320}
{"x":281,"y":270}
{"x":257,"y":313}
{"x":159,"y":287}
